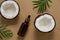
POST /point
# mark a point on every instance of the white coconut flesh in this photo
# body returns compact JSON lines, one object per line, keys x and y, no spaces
{"x":45,"y":23}
{"x":9,"y":9}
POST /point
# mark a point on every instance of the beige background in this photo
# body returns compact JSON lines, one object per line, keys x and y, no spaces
{"x":26,"y":8}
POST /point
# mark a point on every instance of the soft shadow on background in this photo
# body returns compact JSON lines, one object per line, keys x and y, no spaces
{"x":20,"y":38}
{"x":43,"y":36}
{"x":7,"y":22}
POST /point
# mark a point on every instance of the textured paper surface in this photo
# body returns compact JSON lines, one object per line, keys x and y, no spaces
{"x":26,"y":8}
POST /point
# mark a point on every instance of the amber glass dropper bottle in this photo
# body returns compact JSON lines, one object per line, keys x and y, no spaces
{"x":24,"y":26}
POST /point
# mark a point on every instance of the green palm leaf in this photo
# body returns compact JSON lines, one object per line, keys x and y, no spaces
{"x":4,"y":33}
{"x":42,"y":5}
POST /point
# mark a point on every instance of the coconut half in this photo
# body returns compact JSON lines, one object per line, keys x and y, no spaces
{"x":9,"y":9}
{"x":45,"y":23}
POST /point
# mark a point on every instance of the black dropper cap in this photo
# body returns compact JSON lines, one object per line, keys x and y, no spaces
{"x":29,"y":16}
